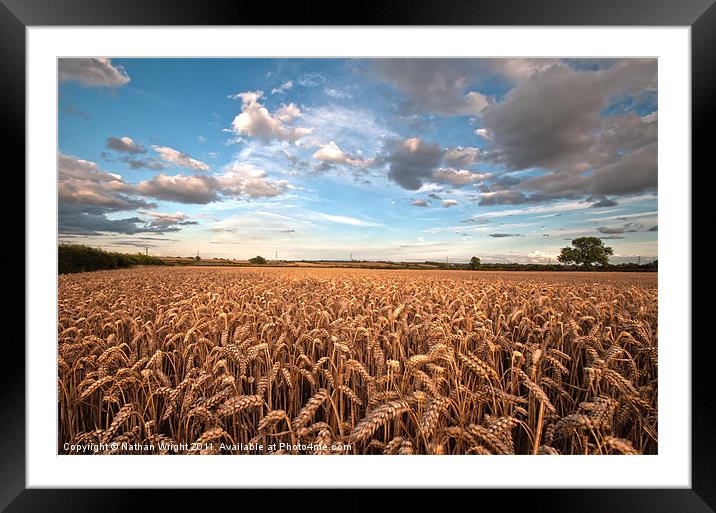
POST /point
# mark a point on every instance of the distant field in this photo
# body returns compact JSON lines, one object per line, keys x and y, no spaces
{"x":623,"y":278}
{"x":291,"y":263}
{"x":353,"y":361}
{"x":427,"y":265}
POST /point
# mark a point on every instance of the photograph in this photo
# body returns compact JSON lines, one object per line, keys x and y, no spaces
{"x":357,"y":256}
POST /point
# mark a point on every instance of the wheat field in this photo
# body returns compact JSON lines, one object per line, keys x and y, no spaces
{"x":347,"y":361}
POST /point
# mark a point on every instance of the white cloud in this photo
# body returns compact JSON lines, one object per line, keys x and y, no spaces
{"x":94,"y":72}
{"x":242,"y":179}
{"x":331,"y":152}
{"x":347,"y":220}
{"x":461,"y":157}
{"x":651,"y":118}
{"x":256,"y":121}
{"x":180,"y":159}
{"x":458,"y":177}
{"x":337,"y":93}
{"x":538,"y":256}
{"x":449,"y":203}
{"x":287,"y":113}
{"x":484,"y":133}
{"x":283,"y":87}
{"x":353,"y":128}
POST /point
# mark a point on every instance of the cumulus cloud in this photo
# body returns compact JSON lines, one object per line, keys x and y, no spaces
{"x":125,"y":145}
{"x":449,"y":203}
{"x":83,"y":184}
{"x":94,"y":72}
{"x":414,"y":162}
{"x":287,"y":113}
{"x":437,"y":86}
{"x":629,"y":174}
{"x":461,"y":157}
{"x":332,"y":153}
{"x":180,"y":188}
{"x":255,"y":120}
{"x":419,"y":203}
{"x":86,"y":194}
{"x":555,"y":120}
{"x":247,"y":180}
{"x":180,"y":159}
{"x":237,"y":180}
{"x":457,"y":177}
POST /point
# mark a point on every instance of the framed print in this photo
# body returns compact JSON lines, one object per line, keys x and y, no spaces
{"x":418,"y":251}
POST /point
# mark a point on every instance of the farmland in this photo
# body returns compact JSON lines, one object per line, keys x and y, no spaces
{"x":355,"y":361}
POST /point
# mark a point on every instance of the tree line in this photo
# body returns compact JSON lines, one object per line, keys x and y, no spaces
{"x":76,"y":258}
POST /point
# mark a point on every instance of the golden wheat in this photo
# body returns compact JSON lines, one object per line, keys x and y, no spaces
{"x":329,"y":361}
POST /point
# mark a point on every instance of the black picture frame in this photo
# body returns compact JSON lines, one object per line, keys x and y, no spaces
{"x":17,"y":15}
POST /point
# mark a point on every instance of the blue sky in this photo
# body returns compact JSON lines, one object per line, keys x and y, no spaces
{"x":399,"y":159}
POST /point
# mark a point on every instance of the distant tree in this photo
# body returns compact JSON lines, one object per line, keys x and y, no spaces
{"x":474,"y":263}
{"x":586,"y":251}
{"x":257,"y":260}
{"x":197,"y":258}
